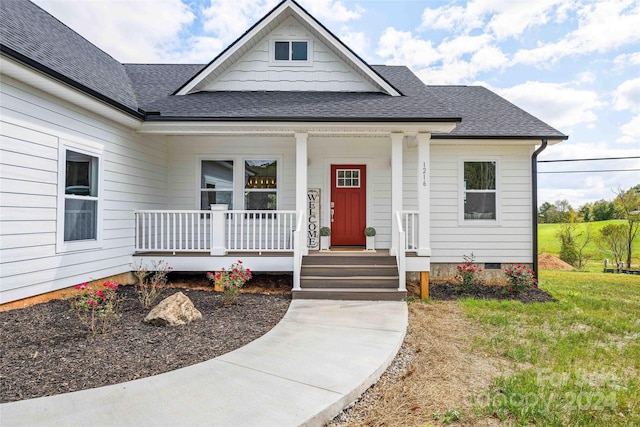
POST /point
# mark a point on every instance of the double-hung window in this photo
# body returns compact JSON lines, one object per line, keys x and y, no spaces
{"x":479,"y":190}
{"x":260,"y":184}
{"x":79,"y":207}
{"x":216,"y":183}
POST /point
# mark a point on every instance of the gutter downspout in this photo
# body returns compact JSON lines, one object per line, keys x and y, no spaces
{"x":534,"y":202}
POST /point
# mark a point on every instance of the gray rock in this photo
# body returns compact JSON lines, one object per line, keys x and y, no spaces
{"x":173,"y":311}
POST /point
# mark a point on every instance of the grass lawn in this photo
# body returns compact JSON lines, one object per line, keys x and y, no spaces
{"x":549,"y":242}
{"x":578,"y":359}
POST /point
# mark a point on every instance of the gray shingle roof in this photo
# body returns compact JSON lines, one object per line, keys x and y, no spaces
{"x":46,"y":43}
{"x":31,"y":35}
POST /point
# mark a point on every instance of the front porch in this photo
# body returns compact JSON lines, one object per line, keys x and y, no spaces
{"x":270,"y":241}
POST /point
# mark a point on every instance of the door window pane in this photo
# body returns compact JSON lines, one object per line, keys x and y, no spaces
{"x":348,"y":178}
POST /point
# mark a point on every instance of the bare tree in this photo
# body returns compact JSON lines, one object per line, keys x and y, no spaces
{"x":628,"y":202}
{"x":580,"y":247}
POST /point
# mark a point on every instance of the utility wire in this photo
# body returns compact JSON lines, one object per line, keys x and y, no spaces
{"x":596,"y":171}
{"x":590,"y":160}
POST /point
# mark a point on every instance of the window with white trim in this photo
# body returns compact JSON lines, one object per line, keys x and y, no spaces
{"x":216,"y":183}
{"x":480,"y":194}
{"x":261,"y":184}
{"x":291,"y":51}
{"x":79,"y":206}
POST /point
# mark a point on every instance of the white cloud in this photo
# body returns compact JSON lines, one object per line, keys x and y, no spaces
{"x":452,"y":61}
{"x":356,"y":41}
{"x":626,"y":59}
{"x":229,"y":19}
{"x":501,"y":18}
{"x":402,"y":48}
{"x":555,"y":103}
{"x":586,"y":77}
{"x":332,"y":10}
{"x":602,"y":26}
{"x":630,"y":132}
{"x":627,"y":96}
{"x":131,"y":31}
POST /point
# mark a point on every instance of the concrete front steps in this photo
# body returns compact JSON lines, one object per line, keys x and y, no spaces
{"x":349,"y":275}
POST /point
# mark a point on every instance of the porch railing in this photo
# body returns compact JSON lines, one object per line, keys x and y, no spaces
{"x":173,"y":231}
{"x":409,"y":221}
{"x":193,"y":230}
{"x":260,"y":231}
{"x":400,"y":255}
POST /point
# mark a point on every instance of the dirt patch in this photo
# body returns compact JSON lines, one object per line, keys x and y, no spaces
{"x":44,"y":350}
{"x":550,"y":262}
{"x":436,"y":370}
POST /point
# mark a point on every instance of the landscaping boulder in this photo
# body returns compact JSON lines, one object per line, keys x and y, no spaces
{"x":173,"y":311}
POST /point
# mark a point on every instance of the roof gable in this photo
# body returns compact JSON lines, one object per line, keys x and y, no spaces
{"x":332,"y":61}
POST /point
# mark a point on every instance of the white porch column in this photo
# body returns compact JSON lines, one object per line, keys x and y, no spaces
{"x":301,"y":184}
{"x":396,"y":188}
{"x":424,"y":194}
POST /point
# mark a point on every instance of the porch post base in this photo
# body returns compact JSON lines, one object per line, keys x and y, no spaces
{"x":424,"y":252}
{"x":218,"y":251}
{"x":424,"y":284}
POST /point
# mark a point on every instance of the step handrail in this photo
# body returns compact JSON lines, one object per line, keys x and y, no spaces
{"x":401,"y":254}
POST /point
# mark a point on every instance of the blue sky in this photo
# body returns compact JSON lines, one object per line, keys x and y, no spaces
{"x":573,"y":63}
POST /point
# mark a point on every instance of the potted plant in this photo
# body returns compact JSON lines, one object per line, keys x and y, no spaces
{"x":325,"y":238}
{"x":370,"y":232}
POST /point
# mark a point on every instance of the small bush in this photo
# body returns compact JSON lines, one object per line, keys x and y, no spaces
{"x":150,"y":280}
{"x":468,"y":275}
{"x":97,"y":309}
{"x":520,"y":278}
{"x":231,"y":281}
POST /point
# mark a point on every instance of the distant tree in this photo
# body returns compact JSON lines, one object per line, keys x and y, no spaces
{"x":548,"y":213}
{"x":628,"y":202}
{"x":603,"y":210}
{"x":613,"y":240}
{"x":567,"y":236}
{"x":563,"y":206}
{"x":585,"y":212}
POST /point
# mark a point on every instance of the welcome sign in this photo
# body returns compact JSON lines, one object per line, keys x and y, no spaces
{"x":313,"y":218}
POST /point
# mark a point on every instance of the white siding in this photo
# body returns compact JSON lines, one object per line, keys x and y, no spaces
{"x":254,"y":72}
{"x":509,"y":239}
{"x":32,"y":127}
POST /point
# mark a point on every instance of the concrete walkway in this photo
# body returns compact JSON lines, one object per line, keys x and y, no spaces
{"x":317,"y":360}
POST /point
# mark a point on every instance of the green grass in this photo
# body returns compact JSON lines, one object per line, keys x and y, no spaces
{"x":578,"y":359}
{"x":548,"y":242}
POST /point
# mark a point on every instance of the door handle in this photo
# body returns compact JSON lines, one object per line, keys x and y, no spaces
{"x":332,"y":211}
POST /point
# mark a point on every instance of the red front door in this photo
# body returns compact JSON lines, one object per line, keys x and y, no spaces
{"x":348,"y":204}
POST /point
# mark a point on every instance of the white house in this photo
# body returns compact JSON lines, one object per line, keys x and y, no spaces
{"x":285,"y":131}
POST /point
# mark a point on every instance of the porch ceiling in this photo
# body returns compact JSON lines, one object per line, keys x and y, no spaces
{"x":290,"y":128}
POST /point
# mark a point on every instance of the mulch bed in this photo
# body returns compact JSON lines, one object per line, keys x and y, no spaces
{"x":448,"y":292}
{"x":45,"y":350}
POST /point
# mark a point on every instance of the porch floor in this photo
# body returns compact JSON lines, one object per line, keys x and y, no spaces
{"x":315,"y":362}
